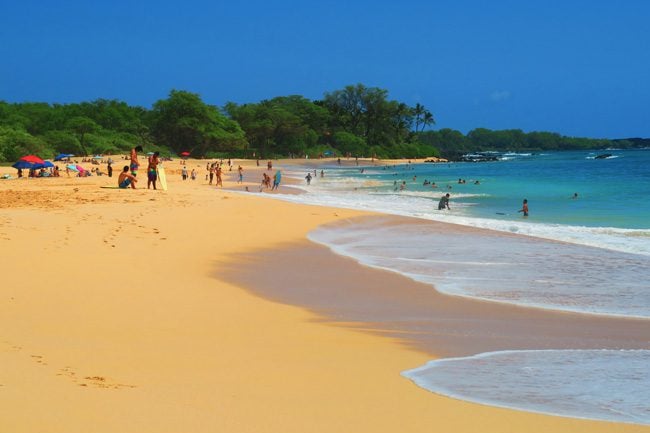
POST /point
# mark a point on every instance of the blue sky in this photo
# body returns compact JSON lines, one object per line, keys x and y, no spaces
{"x":580,"y":68}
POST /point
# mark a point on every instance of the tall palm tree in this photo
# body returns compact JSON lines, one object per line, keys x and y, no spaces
{"x":418,"y":112}
{"x":427,"y":119}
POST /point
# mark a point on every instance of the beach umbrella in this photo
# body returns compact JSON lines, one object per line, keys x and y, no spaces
{"x":185,"y":153}
{"x":33,"y":159}
{"x":97,"y":157}
{"x":72,"y":167}
{"x":62,"y":156}
{"x":23,"y":165}
{"x":46,"y":164}
{"x":80,"y":168}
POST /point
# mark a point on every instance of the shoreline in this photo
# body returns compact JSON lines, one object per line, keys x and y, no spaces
{"x":112,"y":316}
{"x":441,"y":325}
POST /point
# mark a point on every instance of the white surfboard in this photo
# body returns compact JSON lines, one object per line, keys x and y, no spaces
{"x":162,"y":177}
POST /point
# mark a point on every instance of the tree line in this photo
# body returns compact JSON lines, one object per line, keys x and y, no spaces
{"x":356,"y":120}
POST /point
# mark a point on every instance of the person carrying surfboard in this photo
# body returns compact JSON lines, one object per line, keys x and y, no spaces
{"x":152,"y":170}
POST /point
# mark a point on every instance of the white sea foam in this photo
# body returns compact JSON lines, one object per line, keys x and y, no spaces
{"x":341,"y":193}
{"x":609,"y":385}
{"x":510,"y":269}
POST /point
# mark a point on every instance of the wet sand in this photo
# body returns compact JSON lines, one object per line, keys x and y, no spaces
{"x":342,"y":290}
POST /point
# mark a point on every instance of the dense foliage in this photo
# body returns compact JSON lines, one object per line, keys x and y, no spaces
{"x":357,"y":121}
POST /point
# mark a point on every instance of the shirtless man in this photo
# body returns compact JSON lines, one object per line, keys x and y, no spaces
{"x":125,"y":179}
{"x":218,"y":173}
{"x":152,"y":170}
{"x":134,"y":162}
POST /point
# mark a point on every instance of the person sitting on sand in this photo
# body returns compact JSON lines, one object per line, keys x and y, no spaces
{"x":125,"y":179}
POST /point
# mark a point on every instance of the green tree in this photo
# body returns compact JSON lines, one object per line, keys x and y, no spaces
{"x":82,"y":126}
{"x":183,"y":122}
{"x":16,"y":143}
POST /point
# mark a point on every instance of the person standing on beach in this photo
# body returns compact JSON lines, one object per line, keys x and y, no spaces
{"x":135,"y":164}
{"x":218,"y":174}
{"x":152,"y":170}
{"x":524,"y":208}
{"x":109,"y":168}
{"x":184,"y":173}
{"x":444,"y":202}
{"x":240,"y":171}
{"x":276,"y":180}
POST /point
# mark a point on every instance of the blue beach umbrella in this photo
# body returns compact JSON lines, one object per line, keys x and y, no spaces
{"x":23,"y":164}
{"x":46,"y":164}
{"x":62,"y":156}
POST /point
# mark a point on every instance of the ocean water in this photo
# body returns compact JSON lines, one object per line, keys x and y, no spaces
{"x":612,"y":209}
{"x":587,"y":255}
{"x":569,"y":383}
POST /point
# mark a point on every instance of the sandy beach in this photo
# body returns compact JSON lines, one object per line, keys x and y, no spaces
{"x":205,"y":310}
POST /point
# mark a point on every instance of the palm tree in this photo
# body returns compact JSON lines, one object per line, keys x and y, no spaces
{"x":427,"y":119}
{"x":418,"y":112}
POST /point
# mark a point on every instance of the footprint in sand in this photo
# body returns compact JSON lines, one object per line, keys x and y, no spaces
{"x":39,"y":359}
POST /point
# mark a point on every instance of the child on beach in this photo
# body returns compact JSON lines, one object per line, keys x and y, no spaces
{"x":125,"y":179}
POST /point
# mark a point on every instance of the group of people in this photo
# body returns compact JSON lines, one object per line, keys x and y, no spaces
{"x":126,"y":179}
{"x":214,"y":170}
{"x":266,"y":181}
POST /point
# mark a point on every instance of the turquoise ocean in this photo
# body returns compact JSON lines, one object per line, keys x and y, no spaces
{"x":586,"y":255}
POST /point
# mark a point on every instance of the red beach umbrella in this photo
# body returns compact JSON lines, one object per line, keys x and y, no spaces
{"x":33,"y":159}
{"x":185,"y":153}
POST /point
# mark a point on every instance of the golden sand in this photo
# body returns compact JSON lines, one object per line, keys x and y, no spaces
{"x":111,"y":320}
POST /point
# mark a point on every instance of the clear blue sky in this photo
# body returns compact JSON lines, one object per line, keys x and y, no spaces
{"x":576,"y":67}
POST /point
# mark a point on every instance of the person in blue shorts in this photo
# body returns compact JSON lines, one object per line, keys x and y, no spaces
{"x":152,"y":170}
{"x":125,"y":179}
